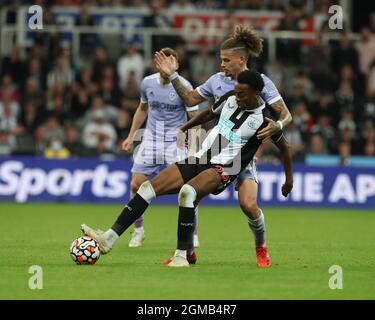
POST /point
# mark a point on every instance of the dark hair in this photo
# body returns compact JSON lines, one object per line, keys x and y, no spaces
{"x":170,"y":52}
{"x":246,"y":40}
{"x":252,"y":78}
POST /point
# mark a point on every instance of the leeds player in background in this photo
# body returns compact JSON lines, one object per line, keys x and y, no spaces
{"x":165,"y":113}
{"x":235,"y":53}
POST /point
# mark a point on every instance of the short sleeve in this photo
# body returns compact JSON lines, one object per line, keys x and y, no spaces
{"x":269,"y":94}
{"x":143,"y":92}
{"x":205,"y":89}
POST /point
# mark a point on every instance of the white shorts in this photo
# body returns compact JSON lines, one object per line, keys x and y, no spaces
{"x":249,"y":173}
{"x":151,"y":159}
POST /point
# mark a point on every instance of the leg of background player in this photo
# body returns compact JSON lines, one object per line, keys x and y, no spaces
{"x":194,"y":140}
{"x":138,"y":234}
{"x":196,"y":239}
{"x":247,"y":196}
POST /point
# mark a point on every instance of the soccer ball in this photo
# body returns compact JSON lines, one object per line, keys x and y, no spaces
{"x":84,"y":250}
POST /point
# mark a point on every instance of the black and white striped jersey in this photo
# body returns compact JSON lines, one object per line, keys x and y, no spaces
{"x":232,"y":143}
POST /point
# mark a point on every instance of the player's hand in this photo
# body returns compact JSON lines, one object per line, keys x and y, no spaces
{"x":271,"y":128}
{"x":127,"y":144}
{"x":168,"y":65}
{"x":182,"y":140}
{"x":287,"y":188}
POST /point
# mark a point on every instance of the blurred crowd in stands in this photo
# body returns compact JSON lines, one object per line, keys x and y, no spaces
{"x":55,"y":106}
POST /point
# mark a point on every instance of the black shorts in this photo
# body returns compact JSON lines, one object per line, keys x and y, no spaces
{"x":190,"y":168}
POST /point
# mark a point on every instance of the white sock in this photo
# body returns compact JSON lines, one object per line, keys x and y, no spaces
{"x":187,"y":196}
{"x":139,"y":229}
{"x":111,"y":237}
{"x":180,"y":253}
{"x":146,"y":191}
{"x":258,"y":228}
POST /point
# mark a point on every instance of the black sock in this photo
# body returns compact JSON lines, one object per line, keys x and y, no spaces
{"x":135,"y":208}
{"x":185,"y":228}
{"x":191,"y":248}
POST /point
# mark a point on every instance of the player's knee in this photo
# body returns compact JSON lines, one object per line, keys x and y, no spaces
{"x":250,"y":208}
{"x":187,"y":196}
{"x":146,"y":191}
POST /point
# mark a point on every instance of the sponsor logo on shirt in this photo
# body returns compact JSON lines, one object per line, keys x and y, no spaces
{"x":225,"y":128}
{"x":164,"y":106}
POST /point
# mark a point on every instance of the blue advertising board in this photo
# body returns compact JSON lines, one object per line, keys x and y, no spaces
{"x":91,"y":180}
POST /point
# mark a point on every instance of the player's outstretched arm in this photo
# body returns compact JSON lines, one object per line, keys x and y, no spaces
{"x":169,"y":66}
{"x":138,"y":119}
{"x":274,"y":126}
{"x":283,"y":146}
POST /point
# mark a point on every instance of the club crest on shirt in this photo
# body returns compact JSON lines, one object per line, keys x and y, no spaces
{"x":252,"y":124}
{"x":172,"y":95}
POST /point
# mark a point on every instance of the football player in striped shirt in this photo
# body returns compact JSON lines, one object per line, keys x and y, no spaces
{"x":235,"y":52}
{"x":165,"y":113}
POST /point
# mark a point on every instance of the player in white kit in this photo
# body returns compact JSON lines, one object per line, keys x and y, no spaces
{"x":165,"y":113}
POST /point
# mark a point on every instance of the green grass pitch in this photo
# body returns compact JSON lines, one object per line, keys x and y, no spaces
{"x":303,"y":244}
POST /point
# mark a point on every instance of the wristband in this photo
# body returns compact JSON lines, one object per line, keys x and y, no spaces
{"x":280,"y":124}
{"x":173,"y":76}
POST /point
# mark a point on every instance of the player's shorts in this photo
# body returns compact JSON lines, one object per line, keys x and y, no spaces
{"x":249,"y":173}
{"x":191,"y":167}
{"x":150,"y":158}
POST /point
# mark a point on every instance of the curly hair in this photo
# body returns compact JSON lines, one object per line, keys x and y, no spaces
{"x":244,"y":38}
{"x":252,"y":78}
